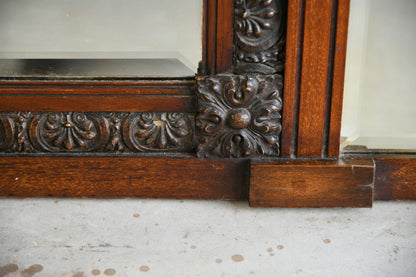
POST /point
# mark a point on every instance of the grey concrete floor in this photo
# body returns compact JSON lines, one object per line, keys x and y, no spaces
{"x":66,"y":237}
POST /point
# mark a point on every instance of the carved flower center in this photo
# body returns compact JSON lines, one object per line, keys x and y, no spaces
{"x":246,"y":14}
{"x":239,"y":118}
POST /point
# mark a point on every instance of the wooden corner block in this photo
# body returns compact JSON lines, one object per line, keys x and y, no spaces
{"x":291,"y":184}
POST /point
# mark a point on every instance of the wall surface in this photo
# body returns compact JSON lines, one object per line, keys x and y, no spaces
{"x":380,"y":83}
{"x":77,"y":238}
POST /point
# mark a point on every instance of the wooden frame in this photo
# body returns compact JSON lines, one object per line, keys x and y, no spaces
{"x":232,"y":132}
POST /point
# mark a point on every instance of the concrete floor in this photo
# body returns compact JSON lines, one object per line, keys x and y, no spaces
{"x":65,"y":237}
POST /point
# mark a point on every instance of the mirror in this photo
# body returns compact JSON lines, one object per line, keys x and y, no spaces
{"x":379,"y":98}
{"x":100,"y":37}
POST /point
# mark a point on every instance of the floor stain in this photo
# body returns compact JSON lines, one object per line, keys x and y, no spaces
{"x":280,"y":247}
{"x":136,"y":215}
{"x":327,"y":241}
{"x":78,"y":274}
{"x":237,"y":258}
{"x":31,"y":270}
{"x":9,"y":268}
{"x":218,"y":261}
{"x":144,"y":268}
{"x":186,"y":235}
{"x":95,"y":272}
{"x":270,"y":250}
{"x":193,"y":246}
{"x":109,"y":272}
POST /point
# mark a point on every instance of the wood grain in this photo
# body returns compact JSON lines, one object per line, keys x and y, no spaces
{"x":313,"y":95}
{"x":294,"y":40}
{"x":104,"y":177}
{"x":100,"y":88}
{"x":224,"y":59}
{"x":116,"y":103}
{"x":217,"y":43}
{"x":95,"y":96}
{"x":312,"y":184}
{"x":338,"y":78}
{"x":395,"y":178}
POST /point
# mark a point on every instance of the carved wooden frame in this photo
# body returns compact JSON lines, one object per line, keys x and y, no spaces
{"x":261,"y":121}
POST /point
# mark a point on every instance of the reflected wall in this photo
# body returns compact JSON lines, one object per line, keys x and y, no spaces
{"x":379,"y":99}
{"x":102,"y":28}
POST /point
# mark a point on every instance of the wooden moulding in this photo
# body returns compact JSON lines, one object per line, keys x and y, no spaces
{"x":314,"y":77}
{"x":293,"y":184}
{"x":96,"y":96}
{"x":217,"y":41}
{"x":105,"y":177}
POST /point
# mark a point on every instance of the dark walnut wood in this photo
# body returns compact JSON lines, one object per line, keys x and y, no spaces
{"x":118,"y":135}
{"x":395,"y":177}
{"x":239,"y":116}
{"x":95,"y":95}
{"x":314,"y":77}
{"x":77,"y":132}
{"x":117,"y":177}
{"x":312,"y":184}
{"x":239,"y":113}
{"x":258,"y":36}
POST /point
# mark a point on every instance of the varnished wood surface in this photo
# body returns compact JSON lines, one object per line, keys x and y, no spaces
{"x":96,"y":96}
{"x":311,"y":184}
{"x":104,"y":177}
{"x":225,"y":11}
{"x":317,"y":33}
{"x":395,"y":178}
{"x":217,"y":42}
{"x":338,"y":78}
{"x":314,"y":77}
{"x":96,"y":104}
{"x":98,"y":87}
{"x":294,"y":39}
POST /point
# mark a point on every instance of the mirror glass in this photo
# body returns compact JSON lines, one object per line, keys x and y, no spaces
{"x":100,"y":37}
{"x":380,"y":98}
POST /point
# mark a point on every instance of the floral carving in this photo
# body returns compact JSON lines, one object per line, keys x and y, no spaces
{"x":107,"y":132}
{"x":239,"y":116}
{"x":67,"y":131}
{"x":252,"y":17}
{"x":159,"y":131}
{"x":259,"y":43}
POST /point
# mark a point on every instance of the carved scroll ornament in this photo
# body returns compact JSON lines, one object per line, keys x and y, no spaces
{"x":75,"y":132}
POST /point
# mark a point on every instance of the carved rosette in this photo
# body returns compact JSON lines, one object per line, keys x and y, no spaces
{"x":258,"y":36}
{"x":76,"y":132}
{"x":159,"y":132}
{"x":239,"y":116}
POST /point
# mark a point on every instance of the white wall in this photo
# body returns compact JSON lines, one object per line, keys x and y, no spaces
{"x":42,"y":27}
{"x":380,"y":84}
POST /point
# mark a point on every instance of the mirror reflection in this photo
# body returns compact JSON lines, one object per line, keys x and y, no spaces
{"x":379,"y":99}
{"x":164,"y":35}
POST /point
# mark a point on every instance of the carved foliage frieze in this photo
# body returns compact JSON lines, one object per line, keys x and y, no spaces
{"x":258,"y":36}
{"x":77,"y":132}
{"x":239,"y":115}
